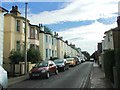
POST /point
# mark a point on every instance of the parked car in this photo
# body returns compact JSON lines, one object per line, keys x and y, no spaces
{"x":77,"y":60}
{"x":91,"y":60}
{"x":82,"y":60}
{"x":43,"y":69}
{"x":71,"y":61}
{"x":3,"y":78}
{"x":62,"y":64}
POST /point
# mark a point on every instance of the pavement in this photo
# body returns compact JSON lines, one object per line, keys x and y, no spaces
{"x":98,"y":79}
{"x":13,"y":80}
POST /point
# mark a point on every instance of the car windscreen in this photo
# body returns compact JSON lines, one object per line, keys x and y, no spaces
{"x":69,"y":59}
{"x":58,"y":61}
{"x":41,"y":64}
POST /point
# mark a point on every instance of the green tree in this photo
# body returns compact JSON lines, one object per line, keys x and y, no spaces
{"x":47,"y":30}
{"x":33,"y":55}
{"x":87,"y":55}
{"x":16,"y":56}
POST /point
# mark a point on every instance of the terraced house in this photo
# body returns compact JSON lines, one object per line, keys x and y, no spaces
{"x":64,"y":48}
{"x":66,"y":52}
{"x":60,"y":47}
{"x":14,"y":32}
{"x":2,"y":11}
{"x":48,"y":44}
{"x":34,"y":36}
{"x":74,"y":50}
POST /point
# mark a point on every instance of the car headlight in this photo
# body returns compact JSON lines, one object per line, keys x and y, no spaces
{"x":30,"y":71}
{"x":43,"y":71}
{"x":62,"y":65}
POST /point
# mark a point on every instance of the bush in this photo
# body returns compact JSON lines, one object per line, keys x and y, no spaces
{"x":117,"y":64}
{"x":33,"y":55}
{"x":117,"y":57}
{"x":16,"y":56}
{"x":109,"y":62}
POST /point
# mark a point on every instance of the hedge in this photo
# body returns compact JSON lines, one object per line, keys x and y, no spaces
{"x":117,"y":64}
{"x":109,"y":62}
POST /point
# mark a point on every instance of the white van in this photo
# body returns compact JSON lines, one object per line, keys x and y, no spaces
{"x":3,"y":78}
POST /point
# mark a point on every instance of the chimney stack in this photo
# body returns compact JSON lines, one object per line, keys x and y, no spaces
{"x":15,"y":10}
{"x":118,"y":18}
{"x":41,"y":27}
{"x":118,"y":21}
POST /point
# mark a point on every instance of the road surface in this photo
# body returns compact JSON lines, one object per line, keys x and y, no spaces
{"x":72,"y":78}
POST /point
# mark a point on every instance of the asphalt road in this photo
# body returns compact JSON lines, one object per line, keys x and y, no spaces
{"x":72,"y":78}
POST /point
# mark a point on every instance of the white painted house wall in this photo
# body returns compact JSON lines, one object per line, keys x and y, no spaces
{"x":1,"y":37}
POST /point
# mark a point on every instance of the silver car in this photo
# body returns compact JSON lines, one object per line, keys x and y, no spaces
{"x":3,"y":78}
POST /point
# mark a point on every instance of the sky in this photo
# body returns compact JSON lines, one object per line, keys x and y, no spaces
{"x":81,"y":22}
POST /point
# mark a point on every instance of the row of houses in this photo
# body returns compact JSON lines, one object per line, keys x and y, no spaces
{"x":49,"y":43}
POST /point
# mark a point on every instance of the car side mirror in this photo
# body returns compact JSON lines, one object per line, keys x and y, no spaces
{"x":33,"y":66}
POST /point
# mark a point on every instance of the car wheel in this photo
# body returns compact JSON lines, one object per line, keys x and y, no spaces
{"x":31,"y":77}
{"x":56,"y":72}
{"x":68,"y":67}
{"x":47,"y":75}
{"x":64,"y":69}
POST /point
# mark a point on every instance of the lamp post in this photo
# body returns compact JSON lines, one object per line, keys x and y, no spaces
{"x":25,"y":38}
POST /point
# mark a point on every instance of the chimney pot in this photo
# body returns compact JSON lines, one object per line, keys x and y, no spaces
{"x":16,"y":7}
{"x":12,"y":7}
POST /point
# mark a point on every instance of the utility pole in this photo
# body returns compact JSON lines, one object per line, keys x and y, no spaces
{"x":25,"y":38}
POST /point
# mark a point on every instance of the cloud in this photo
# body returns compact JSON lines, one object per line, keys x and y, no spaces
{"x":109,"y":20}
{"x":76,"y":38}
{"x":77,"y":10}
{"x":86,"y":37}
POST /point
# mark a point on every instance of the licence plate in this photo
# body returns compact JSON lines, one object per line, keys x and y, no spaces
{"x":35,"y":75}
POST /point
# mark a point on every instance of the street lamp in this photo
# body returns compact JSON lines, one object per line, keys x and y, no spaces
{"x":25,"y":38}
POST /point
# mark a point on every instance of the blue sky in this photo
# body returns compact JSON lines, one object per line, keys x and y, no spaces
{"x":81,"y":22}
{"x":35,"y":7}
